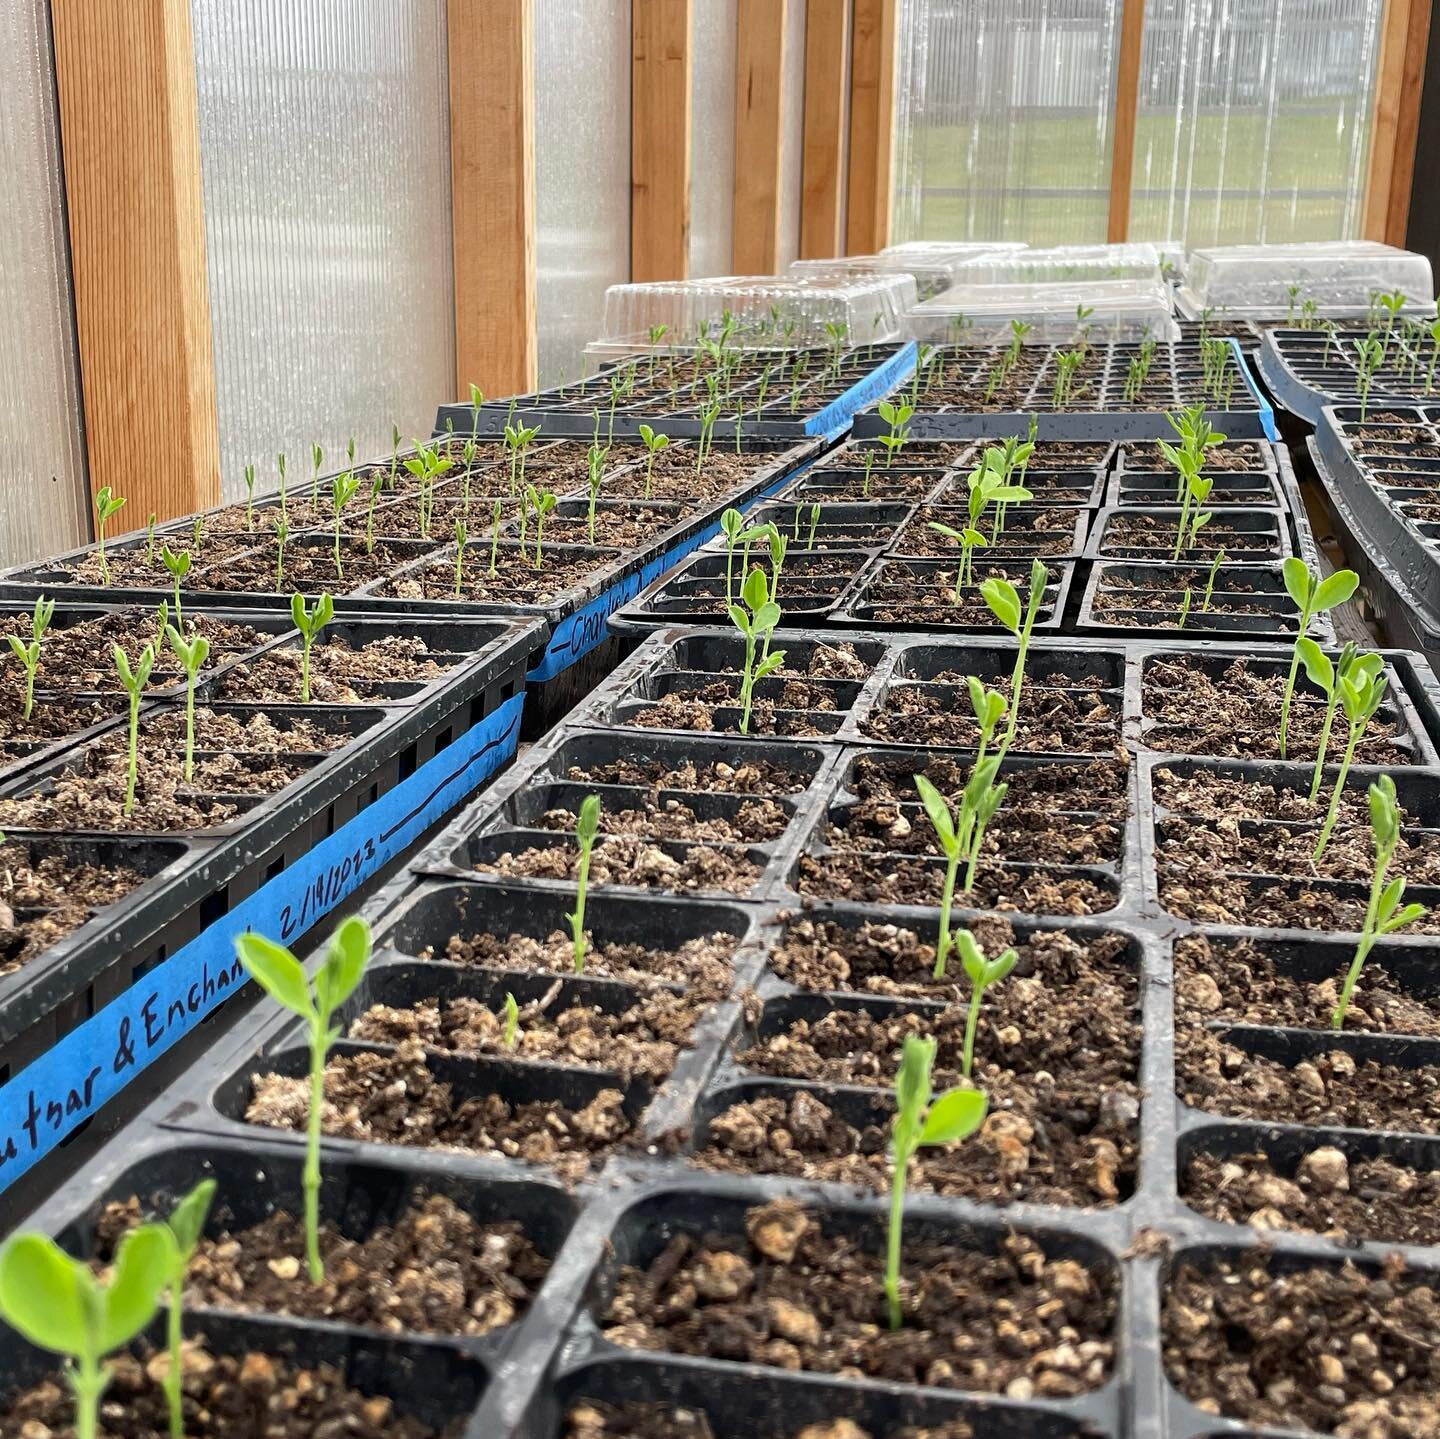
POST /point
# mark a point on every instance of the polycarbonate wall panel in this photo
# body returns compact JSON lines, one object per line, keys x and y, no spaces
{"x":792,"y":135}
{"x":1254,"y":119}
{"x":1004,"y":115}
{"x":582,"y":173}
{"x":712,"y":136}
{"x":44,"y":500}
{"x":325,"y":152}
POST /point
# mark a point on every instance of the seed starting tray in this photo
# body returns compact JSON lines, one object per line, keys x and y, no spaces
{"x":1306,"y":370}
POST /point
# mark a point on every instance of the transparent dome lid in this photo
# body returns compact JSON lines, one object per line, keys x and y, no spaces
{"x":931,"y":276}
{"x":1057,"y":313}
{"x":1063,"y":264}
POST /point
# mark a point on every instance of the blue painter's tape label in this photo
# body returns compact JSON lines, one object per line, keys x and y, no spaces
{"x":875,"y":386}
{"x":581,"y":632}
{"x":93,"y":1063}
{"x":1267,"y":415}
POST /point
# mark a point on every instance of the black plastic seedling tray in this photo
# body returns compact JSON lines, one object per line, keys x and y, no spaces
{"x":868,"y":374}
{"x":140,"y":976}
{"x":1098,"y":410}
{"x":895,"y":582}
{"x":1305,"y":373}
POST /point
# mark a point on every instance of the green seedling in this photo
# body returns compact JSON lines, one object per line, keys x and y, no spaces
{"x":1184,"y":609}
{"x":594,"y":478}
{"x":1210,"y":580}
{"x":197,"y":531}
{"x":732,"y":525}
{"x":28,"y":652}
{"x":309,"y":622}
{"x":183,"y":1230}
{"x":1312,"y":596}
{"x":920,"y":1121}
{"x":315,"y":1001}
{"x":518,"y":440}
{"x":57,"y":1304}
{"x":1004,"y":603}
{"x":150,"y":539}
{"x":1018,"y":332}
{"x":510,"y":1034}
{"x":654,"y":443}
{"x":587,"y":826}
{"x":756,"y":617}
{"x":981,"y":798}
{"x":377,"y":483}
{"x":317,"y":458}
{"x":394,"y":453}
{"x":989,"y":707}
{"x":107,"y":505}
{"x":192,"y":657}
{"x":898,"y":417}
{"x":477,"y":398}
{"x":460,"y":537}
{"x":969,"y":539}
{"x":1383,"y":912}
{"x":162,"y":623}
{"x":280,"y":464}
{"x":282,"y":533}
{"x":179,"y":566}
{"x":494,"y":535}
{"x":542,"y":502}
{"x":982,"y":973}
{"x":1292,"y":295}
{"x":427,"y":465}
{"x":869,"y":465}
{"x":1369,"y":356}
{"x":467,"y":458}
{"x":1362,"y":692}
{"x":342,"y":491}
{"x":133,"y":682}
{"x":814,"y":525}
{"x":249,"y":499}
{"x":1192,"y":518}
{"x":1325,"y":677}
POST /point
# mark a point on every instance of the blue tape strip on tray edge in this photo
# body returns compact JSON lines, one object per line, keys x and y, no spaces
{"x":1267,"y":415}
{"x":93,"y":1063}
{"x":874,"y":387}
{"x":575,"y":637}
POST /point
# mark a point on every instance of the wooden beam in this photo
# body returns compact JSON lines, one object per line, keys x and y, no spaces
{"x":1127,"y":104}
{"x":125,"y":77}
{"x":660,"y":139}
{"x":827,"y":78}
{"x":872,"y":126}
{"x":492,"y":193}
{"x":759,"y":100}
{"x":1399,"y":80}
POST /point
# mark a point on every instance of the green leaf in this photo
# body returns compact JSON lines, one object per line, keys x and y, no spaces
{"x":1408,"y":915}
{"x":739,"y":619}
{"x":1003,"y":601}
{"x":1335,"y":590}
{"x":1317,"y":665}
{"x":21,"y":649}
{"x":43,"y":1293}
{"x":587,"y":822}
{"x":767,"y":617}
{"x":1297,"y":581}
{"x":187,"y":1220}
{"x":277,"y":972}
{"x":972,"y":957}
{"x":954,"y":1115}
{"x":912,"y":1080}
{"x":770,"y":664}
{"x":1390,"y":898}
{"x":144,"y":1262}
{"x":756,"y":590}
{"x":938,"y":813}
{"x":345,"y":959}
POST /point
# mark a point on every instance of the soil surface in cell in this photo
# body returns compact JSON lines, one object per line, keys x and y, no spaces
{"x":1155,"y":534}
{"x":1038,"y":532}
{"x":435,"y":1270}
{"x":1234,"y":455}
{"x":44,"y":897}
{"x":1331,"y":1349}
{"x":249,"y":1396}
{"x":339,"y":672}
{"x":633,"y":862}
{"x":592,"y":1420}
{"x":516,"y":579}
{"x":747,"y":776}
{"x":793,"y":1294}
{"x":1236,"y":715}
{"x":396,"y":1099}
{"x":755,"y":821}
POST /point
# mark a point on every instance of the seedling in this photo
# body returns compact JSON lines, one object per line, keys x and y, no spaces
{"x":1067,"y":366}
{"x":989,"y":707}
{"x":178,"y":566}
{"x":280,"y":463}
{"x":249,"y":499}
{"x":427,"y":465}
{"x":654,"y":443}
{"x":494,"y":536}
{"x":192,"y":657}
{"x":898,"y":417}
{"x":377,"y":484}
{"x":542,"y":502}
{"x":982,"y":974}
{"x":133,"y":682}
{"x":1369,"y":355}
{"x":594,"y":478}
{"x":869,"y":465}
{"x":981,"y":798}
{"x":1362,"y":692}
{"x":477,"y":398}
{"x":1192,"y":518}
{"x":814,"y":525}
{"x":394,"y":452}
{"x":512,"y":1022}
{"x":1184,"y":609}
{"x":56,"y":1303}
{"x":920,"y":1121}
{"x":282,"y":533}
{"x":107,"y":505}
{"x":1018,"y":331}
{"x":460,"y":538}
{"x":1292,"y":294}
{"x":732,"y":523}
{"x":182,"y":1230}
{"x":317,"y":457}
{"x":756,"y":617}
{"x":342,"y":491}
{"x":587,"y":826}
{"x":162,"y":623}
{"x":1324,"y":676}
{"x":1210,"y":580}
{"x":315,"y":1001}
{"x":1383,"y":913}
{"x":309,"y":622}
{"x":28,"y":653}
{"x":968,"y":539}
{"x":1312,"y":596}
{"x":518,"y":440}
{"x":1004,"y":603}
{"x":197,"y":531}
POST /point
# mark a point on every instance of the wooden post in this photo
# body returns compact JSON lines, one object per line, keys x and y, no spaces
{"x":827,"y":78}
{"x":1399,"y":80}
{"x":492,"y":193}
{"x":125,"y":76}
{"x":759,"y":101}
{"x":872,"y":126}
{"x":659,"y":139}
{"x":1127,"y":104}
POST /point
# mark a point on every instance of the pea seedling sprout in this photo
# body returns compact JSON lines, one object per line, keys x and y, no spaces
{"x":1004,"y":603}
{"x":1383,"y":912}
{"x":594,"y":478}
{"x":732,"y":522}
{"x":280,"y":463}
{"x":1362,"y":692}
{"x":28,"y":652}
{"x":178,"y":566}
{"x":1325,"y":677}
{"x":494,"y":535}
{"x":510,"y":1033}
{"x":477,"y":398}
{"x":982,"y":973}
{"x":587,"y":826}
{"x":133,"y":681}
{"x":460,"y":537}
{"x":309,"y":622}
{"x":814,"y":525}
{"x":654,"y":443}
{"x":315,"y":1001}
{"x":192,"y":657}
{"x":898,"y":417}
{"x":377,"y":483}
{"x":249,"y":499}
{"x":150,"y":539}
{"x":56,"y":1303}
{"x":920,"y":1121}
{"x":1184,"y":608}
{"x":1312,"y":596}
{"x":342,"y":491}
{"x":182,"y":1230}
{"x":1369,"y":355}
{"x":756,"y":617}
{"x":543,"y":501}
{"x":107,"y":505}
{"x":1210,"y":580}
